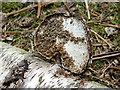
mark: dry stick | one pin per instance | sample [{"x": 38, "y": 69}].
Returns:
[
  {"x": 87, "y": 9},
  {"x": 101, "y": 38},
  {"x": 99, "y": 44},
  {"x": 106, "y": 55},
  {"x": 104, "y": 24},
  {"x": 21, "y": 10},
  {"x": 67, "y": 6},
  {"x": 39, "y": 8},
  {"x": 26, "y": 8},
  {"x": 110, "y": 25},
  {"x": 32, "y": 45},
  {"x": 16, "y": 39},
  {"x": 26, "y": 31},
  {"x": 101, "y": 76},
  {"x": 97, "y": 38},
  {"x": 113, "y": 67},
  {"x": 94, "y": 12},
  {"x": 93, "y": 70}
]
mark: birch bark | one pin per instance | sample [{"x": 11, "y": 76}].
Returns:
[{"x": 20, "y": 69}]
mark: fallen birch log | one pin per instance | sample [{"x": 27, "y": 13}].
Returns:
[{"x": 20, "y": 69}]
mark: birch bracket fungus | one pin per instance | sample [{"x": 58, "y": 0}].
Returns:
[{"x": 66, "y": 39}]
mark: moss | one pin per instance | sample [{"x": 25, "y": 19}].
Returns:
[
  {"x": 58, "y": 4},
  {"x": 51, "y": 11},
  {"x": 115, "y": 44},
  {"x": 41, "y": 19},
  {"x": 97, "y": 28},
  {"x": 79, "y": 3},
  {"x": 11, "y": 6},
  {"x": 25, "y": 13}
]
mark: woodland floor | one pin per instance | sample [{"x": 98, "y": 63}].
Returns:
[{"x": 104, "y": 20}]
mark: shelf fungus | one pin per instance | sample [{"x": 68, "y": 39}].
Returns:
[{"x": 66, "y": 39}]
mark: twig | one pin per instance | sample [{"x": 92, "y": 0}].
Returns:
[
  {"x": 21, "y": 10},
  {"x": 104, "y": 24},
  {"x": 101, "y": 76},
  {"x": 66, "y": 6},
  {"x": 97, "y": 38},
  {"x": 32, "y": 46},
  {"x": 27, "y": 8},
  {"x": 95, "y": 12},
  {"x": 106, "y": 55},
  {"x": 99, "y": 44},
  {"x": 110, "y": 25},
  {"x": 87, "y": 9},
  {"x": 101, "y": 38},
  {"x": 113, "y": 67},
  {"x": 26, "y": 31},
  {"x": 39, "y": 8},
  {"x": 93, "y": 70},
  {"x": 16, "y": 39}
]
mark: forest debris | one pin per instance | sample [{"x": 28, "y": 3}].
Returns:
[
  {"x": 106, "y": 55},
  {"x": 66, "y": 6},
  {"x": 110, "y": 25},
  {"x": 97, "y": 38},
  {"x": 32, "y": 45},
  {"x": 27, "y": 8},
  {"x": 109, "y": 30},
  {"x": 16, "y": 39},
  {"x": 108, "y": 83},
  {"x": 116, "y": 68},
  {"x": 86, "y": 3},
  {"x": 25, "y": 31},
  {"x": 39, "y": 8},
  {"x": 21, "y": 10},
  {"x": 99, "y": 44},
  {"x": 101, "y": 76},
  {"x": 95, "y": 12},
  {"x": 102, "y": 38},
  {"x": 104, "y": 24}
]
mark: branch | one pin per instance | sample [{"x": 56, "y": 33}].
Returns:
[{"x": 20, "y": 69}]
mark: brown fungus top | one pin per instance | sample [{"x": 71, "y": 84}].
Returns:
[{"x": 53, "y": 37}]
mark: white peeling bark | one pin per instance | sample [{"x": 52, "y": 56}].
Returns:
[{"x": 40, "y": 74}]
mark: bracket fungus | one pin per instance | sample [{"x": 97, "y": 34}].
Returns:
[{"x": 66, "y": 39}]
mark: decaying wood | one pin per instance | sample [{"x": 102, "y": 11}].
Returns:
[{"x": 19, "y": 68}]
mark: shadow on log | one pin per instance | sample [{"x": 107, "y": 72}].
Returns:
[{"x": 20, "y": 69}]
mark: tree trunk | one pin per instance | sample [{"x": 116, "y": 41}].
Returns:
[{"x": 20, "y": 69}]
